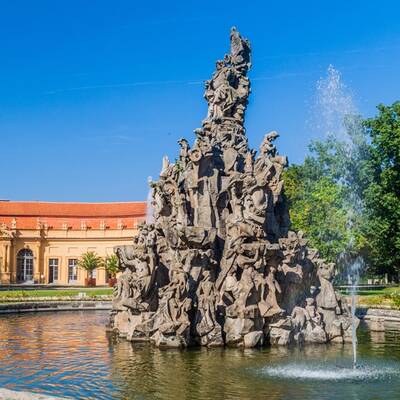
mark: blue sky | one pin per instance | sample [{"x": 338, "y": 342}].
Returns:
[{"x": 94, "y": 93}]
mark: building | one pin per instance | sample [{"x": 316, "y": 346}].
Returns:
[{"x": 40, "y": 242}]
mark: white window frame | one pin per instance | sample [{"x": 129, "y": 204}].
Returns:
[
  {"x": 54, "y": 265},
  {"x": 73, "y": 264}
]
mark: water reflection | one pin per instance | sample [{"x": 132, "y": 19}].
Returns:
[
  {"x": 60, "y": 353},
  {"x": 70, "y": 354}
]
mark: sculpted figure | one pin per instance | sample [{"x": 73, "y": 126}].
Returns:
[
  {"x": 326, "y": 297},
  {"x": 122, "y": 290},
  {"x": 255, "y": 203},
  {"x": 184, "y": 153},
  {"x": 263, "y": 163},
  {"x": 158, "y": 200},
  {"x": 236, "y": 202},
  {"x": 5, "y": 232},
  {"x": 299, "y": 318},
  {"x": 219, "y": 93},
  {"x": 240, "y": 50},
  {"x": 126, "y": 256},
  {"x": 206, "y": 323},
  {"x": 180, "y": 212},
  {"x": 313, "y": 314},
  {"x": 267, "y": 148},
  {"x": 228, "y": 291},
  {"x": 165, "y": 166},
  {"x": 174, "y": 305},
  {"x": 269, "y": 306},
  {"x": 141, "y": 280},
  {"x": 248, "y": 299},
  {"x": 248, "y": 166}
]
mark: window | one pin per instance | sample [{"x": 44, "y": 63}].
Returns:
[
  {"x": 53, "y": 270},
  {"x": 25, "y": 266},
  {"x": 72, "y": 270}
]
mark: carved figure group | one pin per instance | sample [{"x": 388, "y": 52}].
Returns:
[{"x": 219, "y": 265}]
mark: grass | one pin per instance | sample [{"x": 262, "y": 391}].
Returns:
[
  {"x": 375, "y": 292},
  {"x": 19, "y": 295},
  {"x": 388, "y": 297}
]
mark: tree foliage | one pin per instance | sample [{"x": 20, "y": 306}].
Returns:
[
  {"x": 316, "y": 205},
  {"x": 346, "y": 194},
  {"x": 325, "y": 192},
  {"x": 90, "y": 261},
  {"x": 382, "y": 196},
  {"x": 111, "y": 264}
]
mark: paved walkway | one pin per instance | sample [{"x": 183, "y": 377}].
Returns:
[
  {"x": 371, "y": 313},
  {"x": 73, "y": 305}
]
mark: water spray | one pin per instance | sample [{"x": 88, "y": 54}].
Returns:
[{"x": 335, "y": 109}]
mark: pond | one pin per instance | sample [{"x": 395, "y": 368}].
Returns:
[{"x": 69, "y": 354}]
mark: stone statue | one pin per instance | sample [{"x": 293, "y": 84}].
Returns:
[
  {"x": 219, "y": 265},
  {"x": 207, "y": 328}
]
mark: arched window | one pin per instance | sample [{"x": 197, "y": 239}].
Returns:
[{"x": 25, "y": 266}]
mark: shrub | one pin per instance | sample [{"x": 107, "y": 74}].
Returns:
[{"x": 90, "y": 261}]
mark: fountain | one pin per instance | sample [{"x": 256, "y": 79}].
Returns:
[
  {"x": 219, "y": 266},
  {"x": 353, "y": 266},
  {"x": 338, "y": 118},
  {"x": 333, "y": 103}
]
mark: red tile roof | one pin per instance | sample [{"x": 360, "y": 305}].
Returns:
[
  {"x": 85, "y": 210},
  {"x": 27, "y": 215}
]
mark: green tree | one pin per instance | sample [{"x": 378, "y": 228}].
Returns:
[
  {"x": 90, "y": 261},
  {"x": 325, "y": 193},
  {"x": 382, "y": 196},
  {"x": 346, "y": 194},
  {"x": 317, "y": 208},
  {"x": 111, "y": 265}
]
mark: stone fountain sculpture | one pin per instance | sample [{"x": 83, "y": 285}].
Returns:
[{"x": 219, "y": 265}]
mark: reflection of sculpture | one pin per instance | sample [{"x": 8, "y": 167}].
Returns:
[{"x": 219, "y": 265}]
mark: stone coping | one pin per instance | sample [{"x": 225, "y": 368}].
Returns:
[
  {"x": 28, "y": 299},
  {"x": 40, "y": 286},
  {"x": 371, "y": 313},
  {"x": 33, "y": 306},
  {"x": 6, "y": 394}
]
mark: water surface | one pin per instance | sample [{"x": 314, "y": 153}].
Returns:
[{"x": 69, "y": 354}]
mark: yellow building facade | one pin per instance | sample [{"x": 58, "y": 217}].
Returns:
[{"x": 41, "y": 243}]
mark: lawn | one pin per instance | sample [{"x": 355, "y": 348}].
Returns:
[
  {"x": 388, "y": 297},
  {"x": 375, "y": 292},
  {"x": 92, "y": 293}
]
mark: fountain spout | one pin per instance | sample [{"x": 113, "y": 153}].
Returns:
[{"x": 353, "y": 277}]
